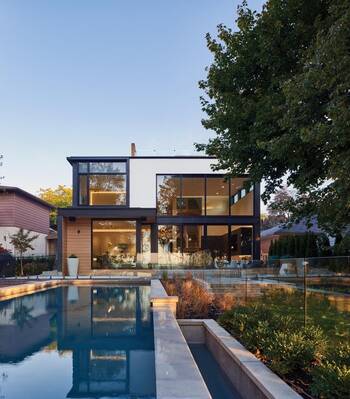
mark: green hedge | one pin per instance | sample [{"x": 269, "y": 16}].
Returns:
[{"x": 292, "y": 350}]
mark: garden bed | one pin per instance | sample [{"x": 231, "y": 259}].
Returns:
[{"x": 314, "y": 359}]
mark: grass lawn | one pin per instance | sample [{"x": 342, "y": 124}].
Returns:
[{"x": 334, "y": 323}]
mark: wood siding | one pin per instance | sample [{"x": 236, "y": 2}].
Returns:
[
  {"x": 18, "y": 211},
  {"x": 77, "y": 240}
]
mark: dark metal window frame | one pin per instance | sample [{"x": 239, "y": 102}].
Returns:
[
  {"x": 205, "y": 233},
  {"x": 92, "y": 220},
  {"x": 77, "y": 173},
  {"x": 206, "y": 177}
]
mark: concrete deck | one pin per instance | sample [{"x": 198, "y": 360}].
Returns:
[{"x": 177, "y": 374}]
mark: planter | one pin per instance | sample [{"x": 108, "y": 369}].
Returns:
[{"x": 73, "y": 264}]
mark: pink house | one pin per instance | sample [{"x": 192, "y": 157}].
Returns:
[{"x": 20, "y": 209}]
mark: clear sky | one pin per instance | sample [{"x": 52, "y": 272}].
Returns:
[{"x": 89, "y": 77}]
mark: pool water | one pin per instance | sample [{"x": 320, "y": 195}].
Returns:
[{"x": 78, "y": 342}]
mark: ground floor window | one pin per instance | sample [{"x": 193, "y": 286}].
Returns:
[
  {"x": 128, "y": 244},
  {"x": 241, "y": 247},
  {"x": 113, "y": 244},
  {"x": 216, "y": 246}
]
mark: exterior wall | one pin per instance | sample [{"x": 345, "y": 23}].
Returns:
[
  {"x": 39, "y": 245},
  {"x": 77, "y": 240},
  {"x": 143, "y": 171},
  {"x": 17, "y": 211}
]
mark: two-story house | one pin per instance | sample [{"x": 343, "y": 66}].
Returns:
[{"x": 137, "y": 211}]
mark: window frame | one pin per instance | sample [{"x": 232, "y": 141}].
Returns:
[
  {"x": 88, "y": 174},
  {"x": 206, "y": 176}
]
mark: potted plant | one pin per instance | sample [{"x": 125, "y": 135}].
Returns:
[{"x": 73, "y": 264}]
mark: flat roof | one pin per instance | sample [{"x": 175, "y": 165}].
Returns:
[
  {"x": 22, "y": 193},
  {"x": 72, "y": 159}
]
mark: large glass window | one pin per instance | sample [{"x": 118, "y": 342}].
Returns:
[
  {"x": 113, "y": 244},
  {"x": 241, "y": 244},
  {"x": 193, "y": 194},
  {"x": 193, "y": 238},
  {"x": 217, "y": 196},
  {"x": 102, "y": 183},
  {"x": 217, "y": 244},
  {"x": 107, "y": 167},
  {"x": 168, "y": 195},
  {"x": 169, "y": 244},
  {"x": 145, "y": 244},
  {"x": 107, "y": 189},
  {"x": 83, "y": 190},
  {"x": 242, "y": 198}
]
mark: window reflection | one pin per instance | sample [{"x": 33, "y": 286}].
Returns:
[
  {"x": 168, "y": 195},
  {"x": 107, "y": 167},
  {"x": 169, "y": 244},
  {"x": 113, "y": 244},
  {"x": 193, "y": 193},
  {"x": 217, "y": 196},
  {"x": 107, "y": 189},
  {"x": 241, "y": 243},
  {"x": 83, "y": 197},
  {"x": 242, "y": 199},
  {"x": 217, "y": 243}
]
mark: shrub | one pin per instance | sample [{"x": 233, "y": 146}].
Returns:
[
  {"x": 331, "y": 378},
  {"x": 277, "y": 339}
]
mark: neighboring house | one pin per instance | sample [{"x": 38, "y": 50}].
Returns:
[
  {"x": 20, "y": 209},
  {"x": 276, "y": 232},
  {"x": 135, "y": 211}
]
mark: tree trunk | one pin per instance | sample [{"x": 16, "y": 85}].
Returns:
[{"x": 21, "y": 260}]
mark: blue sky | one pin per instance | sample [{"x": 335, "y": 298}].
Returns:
[{"x": 89, "y": 77}]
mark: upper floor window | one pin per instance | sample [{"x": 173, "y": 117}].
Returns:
[
  {"x": 212, "y": 195},
  {"x": 102, "y": 183}
]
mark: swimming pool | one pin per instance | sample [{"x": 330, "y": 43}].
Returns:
[{"x": 87, "y": 342}]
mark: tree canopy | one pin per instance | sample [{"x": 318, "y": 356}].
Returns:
[
  {"x": 60, "y": 197},
  {"x": 277, "y": 96}
]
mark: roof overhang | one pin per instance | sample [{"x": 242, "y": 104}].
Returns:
[{"x": 145, "y": 214}]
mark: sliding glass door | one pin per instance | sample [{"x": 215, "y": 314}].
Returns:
[{"x": 113, "y": 244}]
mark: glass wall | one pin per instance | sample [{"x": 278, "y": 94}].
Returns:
[
  {"x": 217, "y": 196},
  {"x": 193, "y": 245},
  {"x": 145, "y": 244},
  {"x": 107, "y": 189},
  {"x": 113, "y": 244},
  {"x": 184, "y": 195},
  {"x": 169, "y": 245},
  {"x": 193, "y": 196},
  {"x": 102, "y": 183},
  {"x": 168, "y": 195},
  {"x": 242, "y": 199},
  {"x": 217, "y": 244},
  {"x": 241, "y": 243},
  {"x": 83, "y": 190}
]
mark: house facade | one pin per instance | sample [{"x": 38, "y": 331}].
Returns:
[
  {"x": 20, "y": 209},
  {"x": 138, "y": 212}
]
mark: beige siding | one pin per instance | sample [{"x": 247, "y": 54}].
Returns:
[{"x": 77, "y": 240}]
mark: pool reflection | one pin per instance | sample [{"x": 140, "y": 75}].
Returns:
[{"x": 107, "y": 331}]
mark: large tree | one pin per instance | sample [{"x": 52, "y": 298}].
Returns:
[
  {"x": 277, "y": 97},
  {"x": 59, "y": 197}
]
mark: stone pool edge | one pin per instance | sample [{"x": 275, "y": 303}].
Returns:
[
  {"x": 32, "y": 286},
  {"x": 177, "y": 374},
  {"x": 248, "y": 374}
]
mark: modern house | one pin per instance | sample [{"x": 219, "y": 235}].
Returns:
[
  {"x": 137, "y": 211},
  {"x": 20, "y": 209}
]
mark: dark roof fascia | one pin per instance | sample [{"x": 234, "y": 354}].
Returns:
[
  {"x": 107, "y": 212},
  {"x": 22, "y": 193},
  {"x": 73, "y": 159}
]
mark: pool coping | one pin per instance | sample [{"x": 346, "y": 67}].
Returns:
[
  {"x": 177, "y": 374},
  {"x": 32, "y": 286},
  {"x": 247, "y": 373}
]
